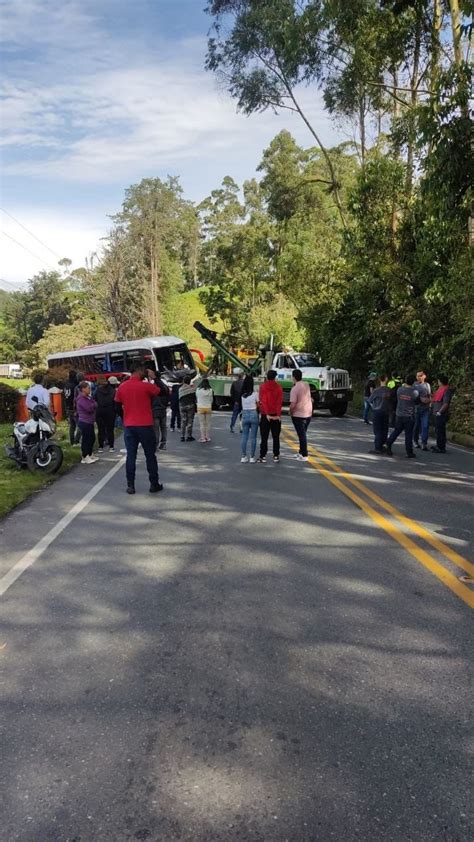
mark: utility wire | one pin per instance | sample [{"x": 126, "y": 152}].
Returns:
[
  {"x": 28, "y": 250},
  {"x": 30, "y": 233}
]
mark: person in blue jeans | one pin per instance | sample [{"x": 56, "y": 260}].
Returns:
[
  {"x": 407, "y": 400},
  {"x": 250, "y": 409},
  {"x": 422, "y": 414}
]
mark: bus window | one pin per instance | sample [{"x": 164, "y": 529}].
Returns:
[
  {"x": 117, "y": 361},
  {"x": 99, "y": 364},
  {"x": 140, "y": 355}
]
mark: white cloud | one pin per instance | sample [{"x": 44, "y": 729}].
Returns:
[
  {"x": 86, "y": 107},
  {"x": 75, "y": 236}
]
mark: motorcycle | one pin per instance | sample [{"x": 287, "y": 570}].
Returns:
[{"x": 31, "y": 442}]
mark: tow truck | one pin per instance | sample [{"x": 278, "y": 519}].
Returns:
[{"x": 331, "y": 388}]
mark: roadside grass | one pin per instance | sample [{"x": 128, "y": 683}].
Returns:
[
  {"x": 16, "y": 485},
  {"x": 25, "y": 383}
]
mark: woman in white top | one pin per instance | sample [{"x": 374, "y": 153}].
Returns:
[
  {"x": 204, "y": 397},
  {"x": 249, "y": 419}
]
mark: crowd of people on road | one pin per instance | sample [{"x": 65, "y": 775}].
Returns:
[
  {"x": 408, "y": 407},
  {"x": 141, "y": 401},
  {"x": 140, "y": 404}
]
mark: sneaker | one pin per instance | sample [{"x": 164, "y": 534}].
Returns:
[
  {"x": 154, "y": 488},
  {"x": 388, "y": 452},
  {"x": 130, "y": 489},
  {"x": 162, "y": 447},
  {"x": 437, "y": 450},
  {"x": 89, "y": 460},
  {"x": 276, "y": 458},
  {"x": 84, "y": 460},
  {"x": 111, "y": 449},
  {"x": 376, "y": 452},
  {"x": 262, "y": 459},
  {"x": 231, "y": 429},
  {"x": 190, "y": 438},
  {"x": 425, "y": 448},
  {"x": 202, "y": 441},
  {"x": 252, "y": 459},
  {"x": 100, "y": 450},
  {"x": 244, "y": 459},
  {"x": 182, "y": 438},
  {"x": 411, "y": 455},
  {"x": 207, "y": 439},
  {"x": 301, "y": 458}
]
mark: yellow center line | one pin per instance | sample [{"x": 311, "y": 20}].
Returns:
[
  {"x": 415, "y": 527},
  {"x": 395, "y": 532}
]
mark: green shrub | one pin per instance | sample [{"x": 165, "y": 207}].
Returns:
[{"x": 8, "y": 403}]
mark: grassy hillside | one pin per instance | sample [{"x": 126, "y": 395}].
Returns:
[{"x": 184, "y": 309}]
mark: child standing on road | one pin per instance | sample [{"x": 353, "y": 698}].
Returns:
[
  {"x": 249, "y": 419},
  {"x": 204, "y": 397}
]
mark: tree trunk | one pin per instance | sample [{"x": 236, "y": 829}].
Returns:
[
  {"x": 396, "y": 155},
  {"x": 435, "y": 44},
  {"x": 456, "y": 28},
  {"x": 362, "y": 128},
  {"x": 413, "y": 102}
]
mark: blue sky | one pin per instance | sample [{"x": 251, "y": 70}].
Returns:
[{"x": 97, "y": 95}]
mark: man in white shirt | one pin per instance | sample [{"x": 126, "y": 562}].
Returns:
[{"x": 37, "y": 391}]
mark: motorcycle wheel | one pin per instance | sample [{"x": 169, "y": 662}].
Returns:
[{"x": 49, "y": 461}]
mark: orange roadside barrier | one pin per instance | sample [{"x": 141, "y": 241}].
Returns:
[
  {"x": 57, "y": 405},
  {"x": 22, "y": 413}
]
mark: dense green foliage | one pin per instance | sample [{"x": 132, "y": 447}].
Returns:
[{"x": 359, "y": 252}]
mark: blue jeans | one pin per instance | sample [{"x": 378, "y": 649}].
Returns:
[
  {"x": 380, "y": 421},
  {"x": 365, "y": 414},
  {"x": 249, "y": 428},
  {"x": 402, "y": 423},
  {"x": 422, "y": 425},
  {"x": 301, "y": 425},
  {"x": 235, "y": 415},
  {"x": 133, "y": 436}
]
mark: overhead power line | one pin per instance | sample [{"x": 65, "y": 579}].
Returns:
[
  {"x": 30, "y": 233},
  {"x": 40, "y": 259}
]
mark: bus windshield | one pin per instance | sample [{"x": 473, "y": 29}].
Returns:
[
  {"x": 306, "y": 360},
  {"x": 174, "y": 360}
]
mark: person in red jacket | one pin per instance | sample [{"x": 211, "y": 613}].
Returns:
[
  {"x": 136, "y": 396},
  {"x": 270, "y": 398}
]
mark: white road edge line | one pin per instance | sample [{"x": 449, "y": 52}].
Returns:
[{"x": 34, "y": 554}]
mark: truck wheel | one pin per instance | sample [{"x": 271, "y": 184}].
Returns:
[{"x": 339, "y": 410}]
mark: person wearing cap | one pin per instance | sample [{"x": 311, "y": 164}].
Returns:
[{"x": 369, "y": 387}]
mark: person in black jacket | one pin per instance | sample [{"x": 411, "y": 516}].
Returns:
[
  {"x": 175, "y": 411},
  {"x": 105, "y": 417},
  {"x": 236, "y": 397},
  {"x": 69, "y": 392},
  {"x": 159, "y": 407}
]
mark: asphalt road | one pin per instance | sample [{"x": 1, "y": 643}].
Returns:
[{"x": 249, "y": 655}]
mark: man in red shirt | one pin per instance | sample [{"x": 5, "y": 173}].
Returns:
[
  {"x": 136, "y": 396},
  {"x": 270, "y": 398}
]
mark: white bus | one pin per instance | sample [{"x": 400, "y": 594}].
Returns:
[{"x": 168, "y": 355}]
